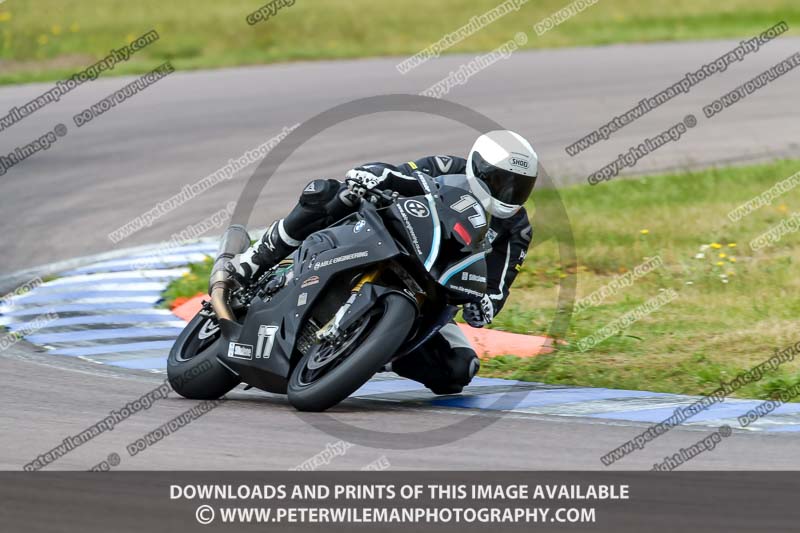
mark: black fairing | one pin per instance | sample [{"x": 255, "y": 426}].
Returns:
[
  {"x": 328, "y": 256},
  {"x": 437, "y": 239},
  {"x": 455, "y": 258}
]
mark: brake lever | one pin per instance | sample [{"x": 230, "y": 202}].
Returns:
[
  {"x": 388, "y": 197},
  {"x": 373, "y": 196}
]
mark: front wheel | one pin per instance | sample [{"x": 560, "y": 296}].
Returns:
[
  {"x": 192, "y": 366},
  {"x": 329, "y": 373}
]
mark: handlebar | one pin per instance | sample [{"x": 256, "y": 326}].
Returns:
[{"x": 377, "y": 197}]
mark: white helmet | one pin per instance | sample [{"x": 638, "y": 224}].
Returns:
[{"x": 501, "y": 170}]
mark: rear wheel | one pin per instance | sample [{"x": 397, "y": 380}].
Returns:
[
  {"x": 192, "y": 366},
  {"x": 328, "y": 373}
]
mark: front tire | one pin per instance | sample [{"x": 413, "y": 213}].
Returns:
[
  {"x": 192, "y": 366},
  {"x": 366, "y": 348}
]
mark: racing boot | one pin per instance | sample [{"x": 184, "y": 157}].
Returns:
[{"x": 275, "y": 246}]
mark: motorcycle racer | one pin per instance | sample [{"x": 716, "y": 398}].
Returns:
[{"x": 500, "y": 171}]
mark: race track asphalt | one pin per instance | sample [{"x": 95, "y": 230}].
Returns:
[
  {"x": 62, "y": 203},
  {"x": 47, "y": 398}
]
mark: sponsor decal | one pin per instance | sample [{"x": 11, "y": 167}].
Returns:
[
  {"x": 491, "y": 235},
  {"x": 422, "y": 181},
  {"x": 359, "y": 226},
  {"x": 340, "y": 259},
  {"x": 416, "y": 208},
  {"x": 466, "y": 276},
  {"x": 311, "y": 280},
  {"x": 310, "y": 187},
  {"x": 465, "y": 290},
  {"x": 240, "y": 351},
  {"x": 209, "y": 328},
  {"x": 410, "y": 230},
  {"x": 302, "y": 299}
]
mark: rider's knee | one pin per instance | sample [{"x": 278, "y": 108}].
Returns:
[
  {"x": 319, "y": 192},
  {"x": 464, "y": 365}
]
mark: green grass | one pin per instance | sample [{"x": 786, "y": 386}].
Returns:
[
  {"x": 711, "y": 333},
  {"x": 51, "y": 39},
  {"x": 190, "y": 284}
]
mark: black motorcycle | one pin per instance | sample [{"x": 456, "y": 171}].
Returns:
[{"x": 369, "y": 289}]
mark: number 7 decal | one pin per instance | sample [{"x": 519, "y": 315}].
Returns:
[
  {"x": 478, "y": 220},
  {"x": 265, "y": 333}
]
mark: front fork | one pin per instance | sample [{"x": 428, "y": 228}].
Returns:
[{"x": 331, "y": 330}]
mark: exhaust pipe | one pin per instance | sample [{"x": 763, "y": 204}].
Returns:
[{"x": 234, "y": 241}]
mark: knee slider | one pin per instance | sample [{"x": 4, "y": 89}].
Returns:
[{"x": 465, "y": 364}]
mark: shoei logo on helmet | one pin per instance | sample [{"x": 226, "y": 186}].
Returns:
[{"x": 517, "y": 162}]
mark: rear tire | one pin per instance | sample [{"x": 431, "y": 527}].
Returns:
[
  {"x": 377, "y": 343},
  {"x": 192, "y": 366}
]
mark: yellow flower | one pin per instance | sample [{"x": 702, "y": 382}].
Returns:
[
  {"x": 782, "y": 208},
  {"x": 75, "y": 28},
  {"x": 732, "y": 259},
  {"x": 644, "y": 231},
  {"x": 720, "y": 263},
  {"x": 731, "y": 273},
  {"x": 716, "y": 245},
  {"x": 722, "y": 256},
  {"x": 731, "y": 245},
  {"x": 56, "y": 29},
  {"x": 42, "y": 40},
  {"x": 5, "y": 16}
]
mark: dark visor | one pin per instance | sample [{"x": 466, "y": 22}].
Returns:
[{"x": 506, "y": 186}]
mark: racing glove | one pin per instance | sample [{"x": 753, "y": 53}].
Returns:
[
  {"x": 370, "y": 176},
  {"x": 478, "y": 314}
]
